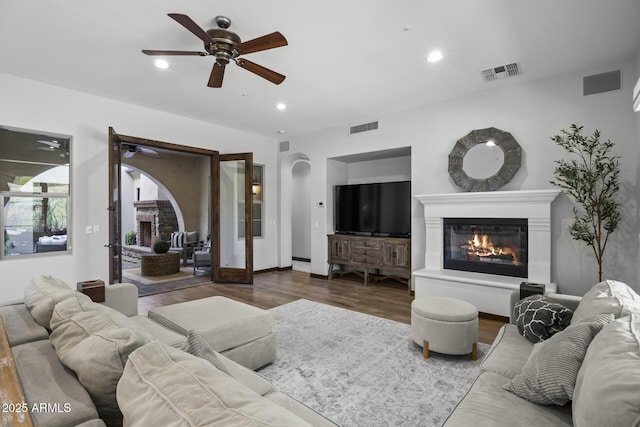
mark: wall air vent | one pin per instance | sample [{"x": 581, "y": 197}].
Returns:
[
  {"x": 501, "y": 72},
  {"x": 363, "y": 128},
  {"x": 599, "y": 83},
  {"x": 284, "y": 146}
]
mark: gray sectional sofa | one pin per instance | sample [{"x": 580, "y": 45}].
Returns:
[
  {"x": 102, "y": 364},
  {"x": 595, "y": 368}
]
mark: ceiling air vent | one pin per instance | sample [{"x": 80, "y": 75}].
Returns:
[
  {"x": 363, "y": 128},
  {"x": 501, "y": 72}
]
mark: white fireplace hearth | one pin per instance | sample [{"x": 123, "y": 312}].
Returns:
[{"x": 490, "y": 293}]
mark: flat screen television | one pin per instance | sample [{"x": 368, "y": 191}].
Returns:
[{"x": 379, "y": 209}]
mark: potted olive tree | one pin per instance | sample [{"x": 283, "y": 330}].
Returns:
[{"x": 590, "y": 178}]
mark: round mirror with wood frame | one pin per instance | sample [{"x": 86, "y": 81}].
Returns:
[{"x": 490, "y": 136}]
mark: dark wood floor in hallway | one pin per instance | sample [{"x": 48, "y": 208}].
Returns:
[{"x": 388, "y": 299}]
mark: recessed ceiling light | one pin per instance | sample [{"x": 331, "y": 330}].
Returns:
[
  {"x": 161, "y": 63},
  {"x": 434, "y": 56},
  {"x": 282, "y": 131},
  {"x": 281, "y": 106}
]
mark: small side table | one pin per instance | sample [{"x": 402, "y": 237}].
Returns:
[{"x": 94, "y": 289}]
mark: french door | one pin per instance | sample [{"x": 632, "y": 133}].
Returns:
[
  {"x": 232, "y": 207},
  {"x": 229, "y": 204}
]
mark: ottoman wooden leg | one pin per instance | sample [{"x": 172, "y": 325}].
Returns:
[
  {"x": 474, "y": 351},
  {"x": 425, "y": 349}
]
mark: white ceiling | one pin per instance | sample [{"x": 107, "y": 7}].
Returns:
[{"x": 348, "y": 61}]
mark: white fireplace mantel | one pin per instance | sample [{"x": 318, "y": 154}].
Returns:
[{"x": 533, "y": 205}]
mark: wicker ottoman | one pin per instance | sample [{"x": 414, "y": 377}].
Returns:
[
  {"x": 240, "y": 331},
  {"x": 444, "y": 325}
]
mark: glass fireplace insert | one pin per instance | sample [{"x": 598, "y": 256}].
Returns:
[{"x": 486, "y": 245}]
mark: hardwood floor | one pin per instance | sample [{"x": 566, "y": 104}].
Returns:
[{"x": 388, "y": 298}]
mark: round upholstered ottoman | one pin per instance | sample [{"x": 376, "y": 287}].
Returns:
[{"x": 444, "y": 325}]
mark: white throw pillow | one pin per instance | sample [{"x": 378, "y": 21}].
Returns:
[
  {"x": 607, "y": 389},
  {"x": 608, "y": 296}
]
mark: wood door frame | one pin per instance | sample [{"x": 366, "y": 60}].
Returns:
[{"x": 213, "y": 166}]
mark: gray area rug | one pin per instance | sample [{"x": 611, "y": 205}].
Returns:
[{"x": 361, "y": 370}]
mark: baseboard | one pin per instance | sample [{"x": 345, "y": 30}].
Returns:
[
  {"x": 319, "y": 276},
  {"x": 272, "y": 269},
  {"x": 495, "y": 317}
]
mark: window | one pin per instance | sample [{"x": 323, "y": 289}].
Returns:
[{"x": 35, "y": 192}]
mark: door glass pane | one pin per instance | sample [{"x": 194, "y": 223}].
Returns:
[{"x": 232, "y": 214}]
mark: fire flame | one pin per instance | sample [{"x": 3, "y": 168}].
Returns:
[{"x": 481, "y": 246}]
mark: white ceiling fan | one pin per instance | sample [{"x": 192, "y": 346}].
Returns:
[{"x": 130, "y": 150}]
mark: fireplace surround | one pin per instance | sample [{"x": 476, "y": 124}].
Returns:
[{"x": 489, "y": 292}]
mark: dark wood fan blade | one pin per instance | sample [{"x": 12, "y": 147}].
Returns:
[
  {"x": 217, "y": 74},
  {"x": 188, "y": 23},
  {"x": 269, "y": 41},
  {"x": 173, "y": 52},
  {"x": 263, "y": 72}
]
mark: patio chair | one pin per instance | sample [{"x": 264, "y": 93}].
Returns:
[
  {"x": 202, "y": 256},
  {"x": 184, "y": 242}
]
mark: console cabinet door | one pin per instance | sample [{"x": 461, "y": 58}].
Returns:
[
  {"x": 339, "y": 249},
  {"x": 396, "y": 254}
]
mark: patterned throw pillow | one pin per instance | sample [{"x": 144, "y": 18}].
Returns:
[
  {"x": 197, "y": 346},
  {"x": 538, "y": 318}
]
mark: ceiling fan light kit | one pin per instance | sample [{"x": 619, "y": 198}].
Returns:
[{"x": 226, "y": 46}]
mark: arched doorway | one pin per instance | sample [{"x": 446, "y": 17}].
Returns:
[
  {"x": 286, "y": 205},
  {"x": 301, "y": 215}
]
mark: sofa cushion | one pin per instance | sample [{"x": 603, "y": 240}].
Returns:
[
  {"x": 98, "y": 361},
  {"x": 148, "y": 395},
  {"x": 42, "y": 294},
  {"x": 549, "y": 376},
  {"x": 246, "y": 376},
  {"x": 158, "y": 332},
  {"x": 607, "y": 389},
  {"x": 20, "y": 326},
  {"x": 487, "y": 404},
  {"x": 95, "y": 341},
  {"x": 508, "y": 353},
  {"x": 538, "y": 318},
  {"x": 608, "y": 296},
  {"x": 45, "y": 380}
]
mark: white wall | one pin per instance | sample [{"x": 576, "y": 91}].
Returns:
[
  {"x": 36, "y": 106},
  {"x": 148, "y": 188},
  {"x": 381, "y": 170},
  {"x": 532, "y": 112},
  {"x": 301, "y": 211}
]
